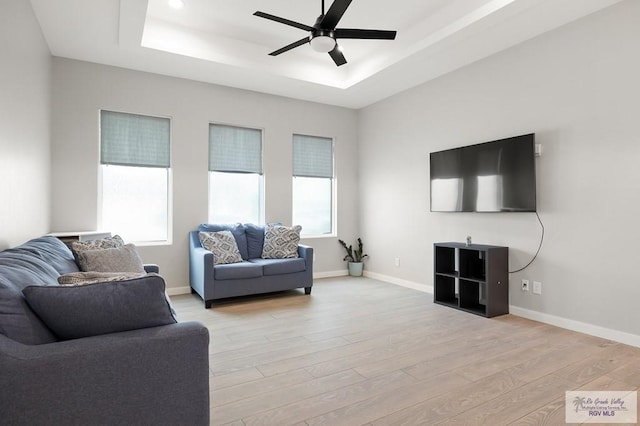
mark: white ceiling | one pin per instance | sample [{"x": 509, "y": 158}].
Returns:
[{"x": 221, "y": 42}]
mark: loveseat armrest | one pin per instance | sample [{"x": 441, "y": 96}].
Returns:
[
  {"x": 151, "y": 268},
  {"x": 200, "y": 268},
  {"x": 151, "y": 376},
  {"x": 306, "y": 252}
]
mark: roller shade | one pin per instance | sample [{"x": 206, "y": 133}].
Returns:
[
  {"x": 312, "y": 156},
  {"x": 235, "y": 149},
  {"x": 134, "y": 140}
]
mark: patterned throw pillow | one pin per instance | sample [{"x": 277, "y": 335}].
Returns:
[
  {"x": 92, "y": 277},
  {"x": 222, "y": 245},
  {"x": 80, "y": 246},
  {"x": 281, "y": 242},
  {"x": 108, "y": 242}
]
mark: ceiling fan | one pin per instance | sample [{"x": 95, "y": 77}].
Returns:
[{"x": 323, "y": 34}]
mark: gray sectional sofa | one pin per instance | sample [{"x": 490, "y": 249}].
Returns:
[
  {"x": 253, "y": 275},
  {"x": 54, "y": 371}
]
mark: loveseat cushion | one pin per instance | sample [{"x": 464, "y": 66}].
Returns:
[
  {"x": 255, "y": 240},
  {"x": 280, "y": 266},
  {"x": 73, "y": 312},
  {"x": 234, "y": 271},
  {"x": 238, "y": 231}
]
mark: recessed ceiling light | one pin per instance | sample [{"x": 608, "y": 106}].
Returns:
[{"x": 176, "y": 4}]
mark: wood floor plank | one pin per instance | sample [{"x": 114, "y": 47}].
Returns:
[
  {"x": 332, "y": 400},
  {"x": 256, "y": 404},
  {"x": 452, "y": 402},
  {"x": 235, "y": 378},
  {"x": 358, "y": 351},
  {"x": 374, "y": 410},
  {"x": 513, "y": 405}
]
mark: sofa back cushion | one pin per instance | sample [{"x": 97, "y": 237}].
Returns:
[
  {"x": 50, "y": 249},
  {"x": 238, "y": 231},
  {"x": 255, "y": 240},
  {"x": 35, "y": 262}
]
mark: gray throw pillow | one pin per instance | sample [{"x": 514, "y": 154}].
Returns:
[
  {"x": 80, "y": 246},
  {"x": 222, "y": 245},
  {"x": 72, "y": 312},
  {"x": 121, "y": 259},
  {"x": 281, "y": 242}
]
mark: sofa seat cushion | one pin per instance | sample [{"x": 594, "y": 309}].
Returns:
[
  {"x": 280, "y": 266},
  {"x": 235, "y": 271},
  {"x": 72, "y": 312}
]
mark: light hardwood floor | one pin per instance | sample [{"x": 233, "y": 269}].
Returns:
[{"x": 362, "y": 352}]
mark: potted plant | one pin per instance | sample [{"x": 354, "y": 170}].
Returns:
[{"x": 354, "y": 257}]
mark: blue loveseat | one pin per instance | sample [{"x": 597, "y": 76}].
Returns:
[
  {"x": 253, "y": 275},
  {"x": 148, "y": 375}
]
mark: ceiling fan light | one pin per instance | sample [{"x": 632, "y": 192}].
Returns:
[{"x": 323, "y": 44}]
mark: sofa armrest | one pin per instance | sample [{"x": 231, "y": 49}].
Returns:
[
  {"x": 151, "y": 268},
  {"x": 158, "y": 375},
  {"x": 306, "y": 252},
  {"x": 200, "y": 267}
]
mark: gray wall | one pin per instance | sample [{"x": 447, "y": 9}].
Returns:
[
  {"x": 578, "y": 89},
  {"x": 80, "y": 89},
  {"x": 25, "y": 109}
]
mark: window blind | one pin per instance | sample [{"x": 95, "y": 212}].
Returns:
[
  {"x": 235, "y": 149},
  {"x": 134, "y": 140},
  {"x": 312, "y": 156}
]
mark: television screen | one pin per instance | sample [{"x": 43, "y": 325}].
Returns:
[{"x": 497, "y": 176}]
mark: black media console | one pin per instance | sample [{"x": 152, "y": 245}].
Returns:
[{"x": 472, "y": 278}]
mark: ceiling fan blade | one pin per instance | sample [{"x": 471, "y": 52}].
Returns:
[
  {"x": 334, "y": 14},
  {"x": 364, "y": 34},
  {"x": 290, "y": 46},
  {"x": 337, "y": 56},
  {"x": 283, "y": 21}
]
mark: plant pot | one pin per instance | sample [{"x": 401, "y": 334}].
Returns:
[{"x": 355, "y": 269}]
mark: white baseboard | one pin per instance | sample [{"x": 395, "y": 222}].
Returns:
[
  {"x": 581, "y": 327},
  {"x": 404, "y": 283},
  {"x": 330, "y": 274},
  {"x": 177, "y": 291}
]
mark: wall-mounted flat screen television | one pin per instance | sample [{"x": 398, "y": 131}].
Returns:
[{"x": 497, "y": 176}]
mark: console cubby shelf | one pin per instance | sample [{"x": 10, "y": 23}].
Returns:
[{"x": 473, "y": 278}]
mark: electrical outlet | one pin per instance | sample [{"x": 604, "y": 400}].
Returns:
[
  {"x": 525, "y": 285},
  {"x": 397, "y": 261},
  {"x": 537, "y": 287}
]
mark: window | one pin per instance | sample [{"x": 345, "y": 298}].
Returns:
[
  {"x": 235, "y": 175},
  {"x": 135, "y": 171},
  {"x": 313, "y": 184}
]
